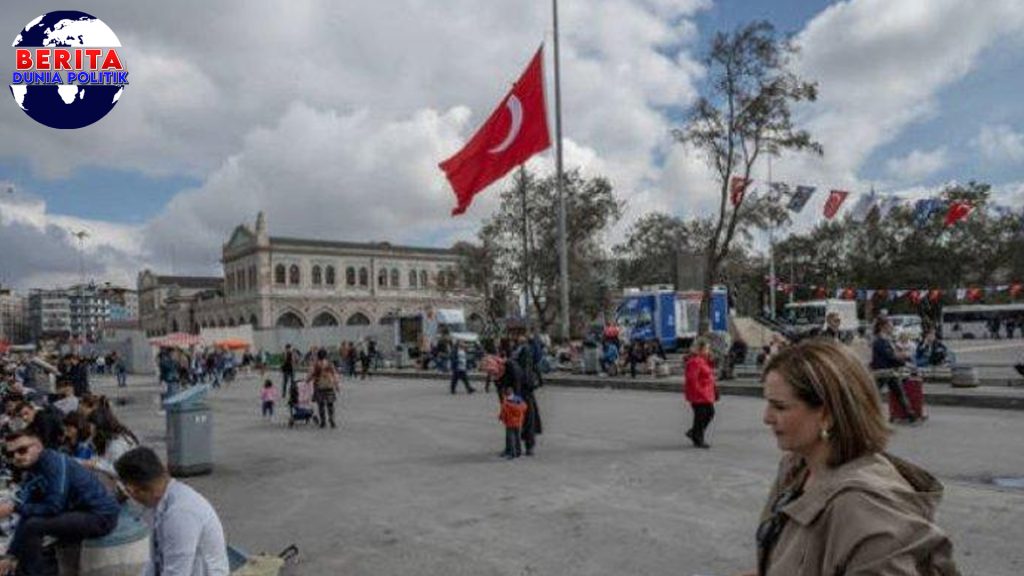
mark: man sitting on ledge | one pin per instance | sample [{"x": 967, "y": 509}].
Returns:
[
  {"x": 187, "y": 538},
  {"x": 58, "y": 497}
]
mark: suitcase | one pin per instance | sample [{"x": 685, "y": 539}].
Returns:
[{"x": 913, "y": 387}]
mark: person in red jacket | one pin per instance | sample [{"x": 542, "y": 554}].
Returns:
[
  {"x": 701, "y": 391},
  {"x": 512, "y": 415}
]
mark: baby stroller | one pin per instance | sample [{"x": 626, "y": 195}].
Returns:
[{"x": 300, "y": 404}]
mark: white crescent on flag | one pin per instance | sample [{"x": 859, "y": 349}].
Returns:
[{"x": 515, "y": 108}]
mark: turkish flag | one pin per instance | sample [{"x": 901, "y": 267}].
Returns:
[
  {"x": 915, "y": 296},
  {"x": 835, "y": 200},
  {"x": 957, "y": 212},
  {"x": 973, "y": 294},
  {"x": 516, "y": 130},
  {"x": 737, "y": 186},
  {"x": 1015, "y": 289}
]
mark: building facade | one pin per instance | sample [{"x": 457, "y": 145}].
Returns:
[
  {"x": 89, "y": 310},
  {"x": 290, "y": 282},
  {"x": 122, "y": 303},
  {"x": 14, "y": 325},
  {"x": 49, "y": 313}
]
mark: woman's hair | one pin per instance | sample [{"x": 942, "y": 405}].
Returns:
[
  {"x": 700, "y": 345},
  {"x": 825, "y": 373},
  {"x": 321, "y": 354},
  {"x": 268, "y": 384},
  {"x": 880, "y": 323},
  {"x": 78, "y": 421},
  {"x": 106, "y": 427}
]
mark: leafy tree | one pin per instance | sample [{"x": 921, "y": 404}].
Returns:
[
  {"x": 591, "y": 208},
  {"x": 744, "y": 113}
]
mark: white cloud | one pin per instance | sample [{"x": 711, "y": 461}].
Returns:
[
  {"x": 918, "y": 165},
  {"x": 39, "y": 248},
  {"x": 881, "y": 64},
  {"x": 1000, "y": 143}
]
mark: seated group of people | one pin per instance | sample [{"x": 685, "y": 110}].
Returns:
[{"x": 70, "y": 465}]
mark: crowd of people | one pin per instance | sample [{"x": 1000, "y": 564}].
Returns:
[{"x": 70, "y": 467}]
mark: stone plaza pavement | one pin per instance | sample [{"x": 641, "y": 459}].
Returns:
[{"x": 411, "y": 482}]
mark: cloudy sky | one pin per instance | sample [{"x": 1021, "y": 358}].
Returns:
[{"x": 331, "y": 116}]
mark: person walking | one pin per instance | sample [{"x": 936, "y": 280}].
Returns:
[
  {"x": 287, "y": 369},
  {"x": 840, "y": 504},
  {"x": 459, "y": 370},
  {"x": 187, "y": 535},
  {"x": 325, "y": 391},
  {"x": 120, "y": 369},
  {"x": 700, "y": 391}
]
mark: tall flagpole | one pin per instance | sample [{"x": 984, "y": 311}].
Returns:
[
  {"x": 563, "y": 257},
  {"x": 526, "y": 249}
]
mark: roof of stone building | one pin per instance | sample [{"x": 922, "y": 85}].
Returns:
[
  {"x": 191, "y": 281},
  {"x": 342, "y": 245}
]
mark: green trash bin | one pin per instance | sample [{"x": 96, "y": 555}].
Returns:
[{"x": 189, "y": 432}]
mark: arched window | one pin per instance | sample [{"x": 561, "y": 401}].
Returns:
[
  {"x": 330, "y": 275},
  {"x": 412, "y": 279},
  {"x": 439, "y": 280},
  {"x": 289, "y": 320},
  {"x": 358, "y": 319},
  {"x": 325, "y": 319},
  {"x": 350, "y": 276},
  {"x": 364, "y": 277},
  {"x": 293, "y": 275},
  {"x": 394, "y": 278},
  {"x": 279, "y": 274},
  {"x": 252, "y": 278},
  {"x": 423, "y": 279},
  {"x": 254, "y": 321},
  {"x": 450, "y": 279},
  {"x": 240, "y": 282},
  {"x": 318, "y": 276},
  {"x": 229, "y": 283},
  {"x": 382, "y": 278}
]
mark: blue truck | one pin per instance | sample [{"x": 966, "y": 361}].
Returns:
[{"x": 669, "y": 316}]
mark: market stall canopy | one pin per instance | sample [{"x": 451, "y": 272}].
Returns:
[
  {"x": 233, "y": 344},
  {"x": 177, "y": 340}
]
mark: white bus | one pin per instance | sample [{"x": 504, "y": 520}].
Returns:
[{"x": 973, "y": 320}]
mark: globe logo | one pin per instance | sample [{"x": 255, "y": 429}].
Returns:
[{"x": 68, "y": 73}]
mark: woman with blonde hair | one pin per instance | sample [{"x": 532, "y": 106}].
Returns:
[{"x": 840, "y": 504}]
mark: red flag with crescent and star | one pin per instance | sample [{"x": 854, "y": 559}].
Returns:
[
  {"x": 737, "y": 187},
  {"x": 514, "y": 132},
  {"x": 835, "y": 200}
]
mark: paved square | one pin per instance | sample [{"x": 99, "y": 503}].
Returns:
[{"x": 411, "y": 483}]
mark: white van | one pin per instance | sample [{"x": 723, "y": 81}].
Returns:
[
  {"x": 805, "y": 317},
  {"x": 906, "y": 324}
]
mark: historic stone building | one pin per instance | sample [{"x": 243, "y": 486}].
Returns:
[{"x": 290, "y": 282}]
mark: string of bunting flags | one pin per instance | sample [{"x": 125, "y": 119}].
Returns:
[
  {"x": 914, "y": 295},
  {"x": 796, "y": 198}
]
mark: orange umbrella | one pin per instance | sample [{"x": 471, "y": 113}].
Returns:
[{"x": 233, "y": 344}]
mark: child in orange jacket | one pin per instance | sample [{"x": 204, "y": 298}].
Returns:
[{"x": 513, "y": 413}]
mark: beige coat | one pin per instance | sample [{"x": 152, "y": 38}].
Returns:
[{"x": 871, "y": 516}]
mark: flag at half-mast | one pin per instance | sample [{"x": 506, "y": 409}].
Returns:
[{"x": 515, "y": 131}]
